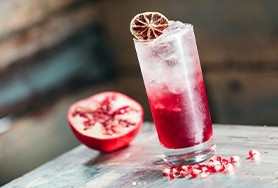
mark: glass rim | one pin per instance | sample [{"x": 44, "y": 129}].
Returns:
[{"x": 183, "y": 31}]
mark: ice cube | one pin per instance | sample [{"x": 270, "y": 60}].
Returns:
[
  {"x": 175, "y": 27},
  {"x": 166, "y": 51},
  {"x": 167, "y": 47},
  {"x": 164, "y": 48},
  {"x": 172, "y": 60}
]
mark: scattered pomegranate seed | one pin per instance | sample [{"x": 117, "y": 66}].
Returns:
[
  {"x": 189, "y": 168},
  {"x": 179, "y": 168},
  {"x": 219, "y": 168},
  {"x": 184, "y": 168},
  {"x": 204, "y": 168},
  {"x": 229, "y": 168},
  {"x": 196, "y": 166},
  {"x": 195, "y": 172},
  {"x": 172, "y": 175},
  {"x": 254, "y": 154},
  {"x": 224, "y": 161},
  {"x": 255, "y": 157},
  {"x": 205, "y": 174},
  {"x": 183, "y": 174},
  {"x": 217, "y": 163},
  {"x": 214, "y": 165},
  {"x": 174, "y": 170}
]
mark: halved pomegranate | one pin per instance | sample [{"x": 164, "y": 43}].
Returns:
[{"x": 106, "y": 121}]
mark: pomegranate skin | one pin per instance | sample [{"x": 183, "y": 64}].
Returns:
[{"x": 107, "y": 144}]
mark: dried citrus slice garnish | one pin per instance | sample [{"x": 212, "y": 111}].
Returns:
[{"x": 148, "y": 25}]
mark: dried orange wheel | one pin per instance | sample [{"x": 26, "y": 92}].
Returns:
[{"x": 148, "y": 25}]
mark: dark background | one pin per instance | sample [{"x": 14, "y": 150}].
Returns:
[{"x": 53, "y": 53}]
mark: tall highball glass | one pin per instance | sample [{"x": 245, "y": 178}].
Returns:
[{"x": 175, "y": 88}]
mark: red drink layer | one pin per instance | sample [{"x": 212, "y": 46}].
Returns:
[{"x": 182, "y": 120}]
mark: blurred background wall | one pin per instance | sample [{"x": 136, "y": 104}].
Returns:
[
  {"x": 238, "y": 47},
  {"x": 53, "y": 53}
]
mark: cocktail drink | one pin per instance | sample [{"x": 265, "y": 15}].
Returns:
[{"x": 175, "y": 88}]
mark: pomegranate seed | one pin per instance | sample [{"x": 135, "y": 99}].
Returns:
[
  {"x": 224, "y": 161},
  {"x": 205, "y": 174},
  {"x": 189, "y": 168},
  {"x": 234, "y": 159},
  {"x": 184, "y": 168},
  {"x": 174, "y": 170},
  {"x": 195, "y": 172},
  {"x": 181, "y": 167},
  {"x": 254, "y": 154},
  {"x": 217, "y": 163},
  {"x": 202, "y": 165},
  {"x": 204, "y": 168},
  {"x": 183, "y": 174},
  {"x": 172, "y": 175},
  {"x": 219, "y": 168},
  {"x": 229, "y": 167},
  {"x": 210, "y": 166},
  {"x": 197, "y": 166},
  {"x": 165, "y": 171}
]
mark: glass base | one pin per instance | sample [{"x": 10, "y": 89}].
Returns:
[{"x": 191, "y": 155}]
